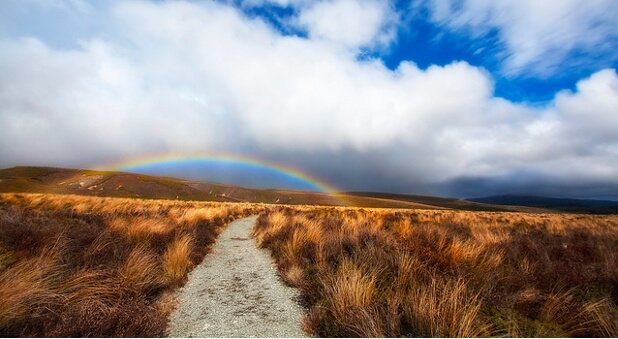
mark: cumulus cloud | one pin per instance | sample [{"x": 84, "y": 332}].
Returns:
[
  {"x": 538, "y": 35},
  {"x": 185, "y": 77},
  {"x": 88, "y": 105},
  {"x": 352, "y": 23}
]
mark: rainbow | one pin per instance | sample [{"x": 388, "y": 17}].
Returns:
[{"x": 135, "y": 164}]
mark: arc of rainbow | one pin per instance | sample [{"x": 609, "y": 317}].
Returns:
[{"x": 135, "y": 163}]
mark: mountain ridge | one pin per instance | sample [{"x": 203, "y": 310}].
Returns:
[{"x": 561, "y": 204}]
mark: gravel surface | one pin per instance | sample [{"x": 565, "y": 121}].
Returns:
[{"x": 235, "y": 292}]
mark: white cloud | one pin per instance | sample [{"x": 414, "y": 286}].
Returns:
[
  {"x": 186, "y": 77},
  {"x": 74, "y": 107},
  {"x": 538, "y": 35},
  {"x": 280, "y": 3},
  {"x": 592, "y": 110},
  {"x": 352, "y": 23},
  {"x": 573, "y": 139}
]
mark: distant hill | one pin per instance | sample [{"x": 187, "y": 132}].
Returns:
[
  {"x": 122, "y": 184},
  {"x": 558, "y": 204},
  {"x": 449, "y": 203}
]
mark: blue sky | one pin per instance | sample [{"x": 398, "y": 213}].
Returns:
[
  {"x": 427, "y": 42},
  {"x": 455, "y": 98}
]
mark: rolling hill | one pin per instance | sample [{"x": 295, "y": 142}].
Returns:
[
  {"x": 559, "y": 204},
  {"x": 122, "y": 184}
]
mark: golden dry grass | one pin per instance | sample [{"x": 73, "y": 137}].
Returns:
[
  {"x": 177, "y": 260},
  {"x": 80, "y": 266},
  {"x": 141, "y": 270},
  {"x": 83, "y": 266},
  {"x": 27, "y": 286},
  {"x": 373, "y": 272}
]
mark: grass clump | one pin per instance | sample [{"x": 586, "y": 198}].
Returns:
[
  {"x": 177, "y": 260},
  {"x": 378, "y": 272},
  {"x": 74, "y": 266}
]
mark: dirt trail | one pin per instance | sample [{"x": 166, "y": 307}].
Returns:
[{"x": 235, "y": 292}]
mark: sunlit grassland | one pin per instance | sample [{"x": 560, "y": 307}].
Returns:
[
  {"x": 84, "y": 266},
  {"x": 391, "y": 273},
  {"x": 88, "y": 266}
]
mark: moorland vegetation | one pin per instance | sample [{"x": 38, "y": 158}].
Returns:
[
  {"x": 445, "y": 273},
  {"x": 92, "y": 266},
  {"x": 73, "y": 266}
]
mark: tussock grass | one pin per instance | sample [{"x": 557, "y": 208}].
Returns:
[
  {"x": 141, "y": 271},
  {"x": 602, "y": 313},
  {"x": 373, "y": 272},
  {"x": 26, "y": 288},
  {"x": 74, "y": 266},
  {"x": 445, "y": 309},
  {"x": 177, "y": 261},
  {"x": 85, "y": 266}
]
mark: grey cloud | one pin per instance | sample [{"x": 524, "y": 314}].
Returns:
[
  {"x": 526, "y": 184},
  {"x": 181, "y": 77}
]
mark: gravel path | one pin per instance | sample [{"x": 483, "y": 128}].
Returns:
[{"x": 235, "y": 292}]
